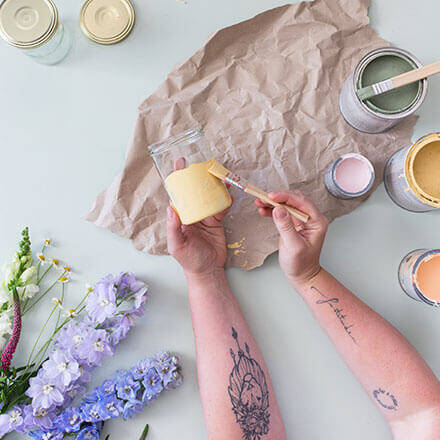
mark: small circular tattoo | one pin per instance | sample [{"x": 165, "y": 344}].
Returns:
[{"x": 385, "y": 399}]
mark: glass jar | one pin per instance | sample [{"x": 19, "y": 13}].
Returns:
[
  {"x": 34, "y": 27},
  {"x": 183, "y": 167}
]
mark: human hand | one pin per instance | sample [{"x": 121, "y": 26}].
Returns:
[
  {"x": 199, "y": 248},
  {"x": 300, "y": 243}
]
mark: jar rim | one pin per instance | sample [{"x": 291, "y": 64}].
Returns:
[{"x": 184, "y": 138}]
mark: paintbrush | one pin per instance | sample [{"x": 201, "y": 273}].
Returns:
[
  {"x": 224, "y": 174},
  {"x": 398, "y": 81}
]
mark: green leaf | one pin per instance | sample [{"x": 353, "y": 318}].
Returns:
[{"x": 144, "y": 432}]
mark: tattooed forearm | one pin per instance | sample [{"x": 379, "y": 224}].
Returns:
[
  {"x": 248, "y": 393},
  {"x": 385, "y": 399},
  {"x": 339, "y": 312}
]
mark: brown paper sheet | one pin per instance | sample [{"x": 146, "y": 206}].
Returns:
[{"x": 266, "y": 92}]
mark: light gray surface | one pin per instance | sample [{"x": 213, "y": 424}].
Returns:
[{"x": 63, "y": 133}]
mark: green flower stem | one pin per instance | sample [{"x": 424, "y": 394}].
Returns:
[
  {"x": 30, "y": 360},
  {"x": 44, "y": 294},
  {"x": 59, "y": 308},
  {"x": 44, "y": 274}
]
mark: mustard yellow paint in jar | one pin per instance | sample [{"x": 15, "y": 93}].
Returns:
[{"x": 195, "y": 194}]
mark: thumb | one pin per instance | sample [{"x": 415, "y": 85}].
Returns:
[
  {"x": 175, "y": 237},
  {"x": 284, "y": 223}
]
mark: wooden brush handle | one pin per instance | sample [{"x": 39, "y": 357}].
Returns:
[
  {"x": 416, "y": 74},
  {"x": 260, "y": 194}
]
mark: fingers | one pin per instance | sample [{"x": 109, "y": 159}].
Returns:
[
  {"x": 286, "y": 227},
  {"x": 175, "y": 237},
  {"x": 179, "y": 164}
]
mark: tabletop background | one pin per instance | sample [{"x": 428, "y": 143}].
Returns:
[{"x": 63, "y": 135}]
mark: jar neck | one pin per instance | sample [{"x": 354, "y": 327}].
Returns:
[{"x": 187, "y": 137}]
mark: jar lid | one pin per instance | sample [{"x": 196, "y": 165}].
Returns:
[
  {"x": 28, "y": 23},
  {"x": 107, "y": 21}
]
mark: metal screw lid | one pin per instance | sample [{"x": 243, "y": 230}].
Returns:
[
  {"x": 107, "y": 21},
  {"x": 28, "y": 23}
]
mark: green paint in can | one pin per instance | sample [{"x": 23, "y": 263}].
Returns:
[{"x": 385, "y": 66}]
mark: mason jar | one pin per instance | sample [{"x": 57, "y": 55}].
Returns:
[
  {"x": 33, "y": 26},
  {"x": 181, "y": 162}
]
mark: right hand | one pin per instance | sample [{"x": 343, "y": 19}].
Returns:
[{"x": 300, "y": 243}]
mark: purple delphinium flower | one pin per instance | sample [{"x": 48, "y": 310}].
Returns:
[
  {"x": 95, "y": 347},
  {"x": 131, "y": 408},
  {"x": 113, "y": 406},
  {"x": 126, "y": 386},
  {"x": 44, "y": 393},
  {"x": 101, "y": 303},
  {"x": 52, "y": 434},
  {"x": 119, "y": 327},
  {"x": 152, "y": 384},
  {"x": 94, "y": 412},
  {"x": 89, "y": 433},
  {"x": 61, "y": 368},
  {"x": 127, "y": 285},
  {"x": 69, "y": 420},
  {"x": 12, "y": 420},
  {"x": 37, "y": 417},
  {"x": 141, "y": 368}
]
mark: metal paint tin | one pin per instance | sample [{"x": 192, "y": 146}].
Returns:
[
  {"x": 401, "y": 182},
  {"x": 332, "y": 185},
  {"x": 34, "y": 27},
  {"x": 367, "y": 118},
  {"x": 407, "y": 273},
  {"x": 107, "y": 21}
]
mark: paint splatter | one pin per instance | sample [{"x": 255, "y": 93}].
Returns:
[
  {"x": 237, "y": 244},
  {"x": 239, "y": 251}
]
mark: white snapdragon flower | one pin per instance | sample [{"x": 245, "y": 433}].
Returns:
[
  {"x": 5, "y": 296},
  {"x": 29, "y": 276},
  {"x": 28, "y": 291},
  {"x": 10, "y": 269},
  {"x": 5, "y": 327}
]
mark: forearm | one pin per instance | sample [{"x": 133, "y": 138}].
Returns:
[
  {"x": 391, "y": 371},
  {"x": 231, "y": 369}
]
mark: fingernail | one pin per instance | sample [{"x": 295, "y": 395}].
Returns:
[{"x": 280, "y": 212}]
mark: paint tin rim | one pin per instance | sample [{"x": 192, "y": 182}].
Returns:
[
  {"x": 392, "y": 51},
  {"x": 361, "y": 158},
  {"x": 416, "y": 265},
  {"x": 370, "y": 104},
  {"x": 409, "y": 169}
]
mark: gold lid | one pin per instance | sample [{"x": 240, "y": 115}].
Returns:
[
  {"x": 28, "y": 23},
  {"x": 107, "y": 21}
]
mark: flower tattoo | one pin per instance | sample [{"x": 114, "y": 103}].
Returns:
[{"x": 248, "y": 393}]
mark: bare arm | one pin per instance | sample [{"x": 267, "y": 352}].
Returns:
[
  {"x": 237, "y": 395},
  {"x": 393, "y": 374}
]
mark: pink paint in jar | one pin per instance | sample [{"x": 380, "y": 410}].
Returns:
[{"x": 351, "y": 175}]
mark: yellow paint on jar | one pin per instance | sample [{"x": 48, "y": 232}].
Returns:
[
  {"x": 196, "y": 194},
  {"x": 422, "y": 169}
]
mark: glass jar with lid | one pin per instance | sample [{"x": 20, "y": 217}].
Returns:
[
  {"x": 183, "y": 167},
  {"x": 34, "y": 27}
]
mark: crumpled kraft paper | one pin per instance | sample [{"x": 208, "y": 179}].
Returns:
[{"x": 266, "y": 92}]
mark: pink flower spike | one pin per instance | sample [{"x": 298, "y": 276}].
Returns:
[{"x": 10, "y": 348}]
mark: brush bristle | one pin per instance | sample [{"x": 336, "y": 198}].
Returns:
[
  {"x": 218, "y": 170},
  {"x": 365, "y": 93}
]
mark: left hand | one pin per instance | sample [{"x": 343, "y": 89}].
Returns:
[{"x": 199, "y": 248}]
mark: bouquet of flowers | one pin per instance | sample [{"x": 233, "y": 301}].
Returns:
[{"x": 35, "y": 397}]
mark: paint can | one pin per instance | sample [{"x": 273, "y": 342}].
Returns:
[
  {"x": 340, "y": 186},
  {"x": 412, "y": 175},
  {"x": 382, "y": 112},
  {"x": 416, "y": 275}
]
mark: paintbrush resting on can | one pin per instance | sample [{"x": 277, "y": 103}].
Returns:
[
  {"x": 398, "y": 81},
  {"x": 224, "y": 174}
]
